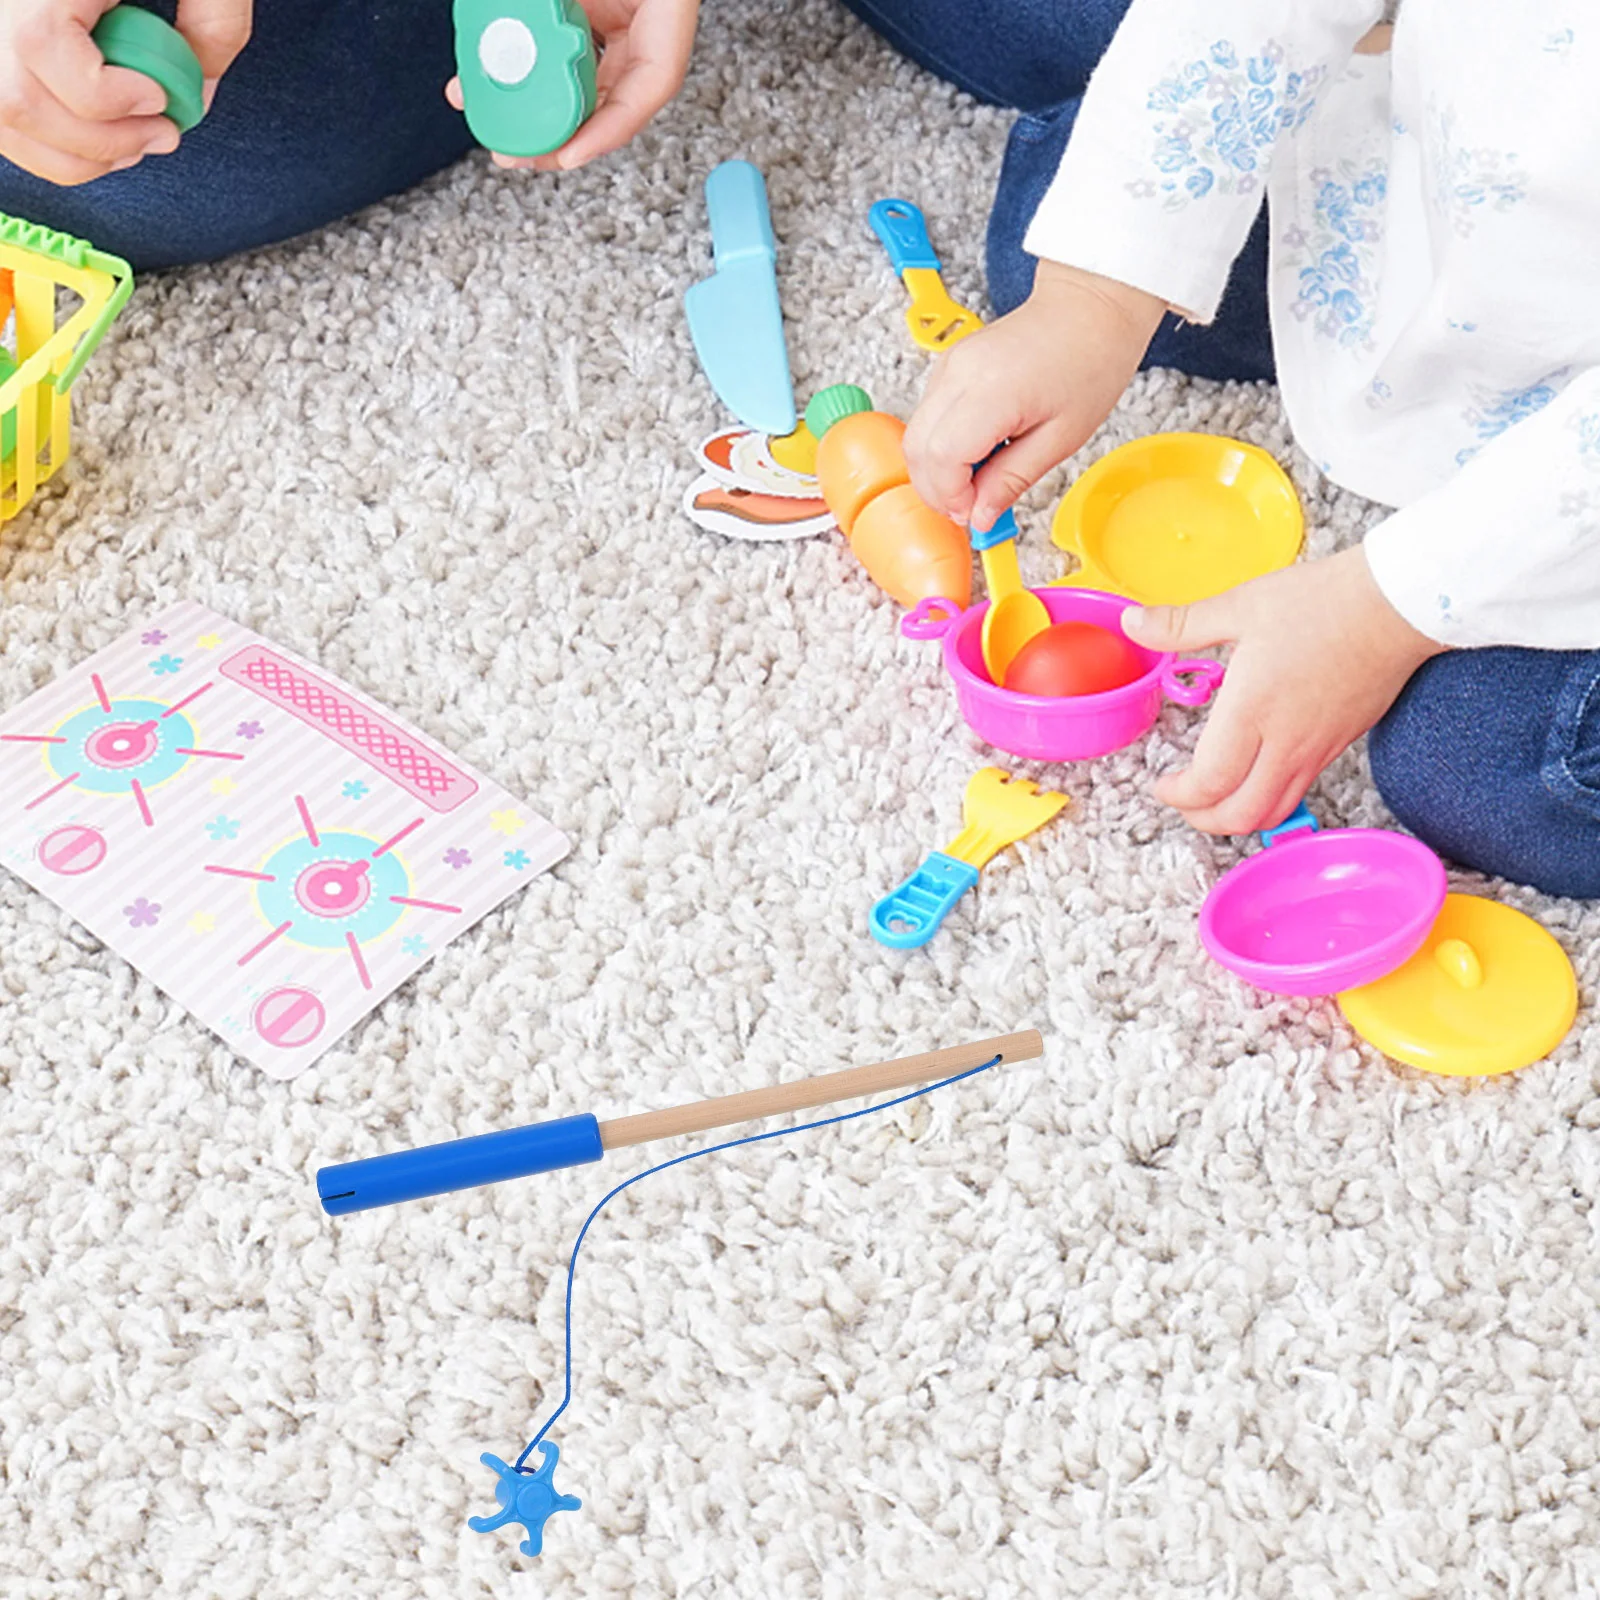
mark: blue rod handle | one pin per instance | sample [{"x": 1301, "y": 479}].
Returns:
[
  {"x": 736, "y": 207},
  {"x": 905, "y": 235},
  {"x": 909, "y": 918},
  {"x": 458, "y": 1164}
]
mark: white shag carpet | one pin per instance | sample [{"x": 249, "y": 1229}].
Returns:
[{"x": 1212, "y": 1301}]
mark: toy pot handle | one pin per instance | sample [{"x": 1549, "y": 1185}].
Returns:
[
  {"x": 1207, "y": 676},
  {"x": 930, "y": 618}
]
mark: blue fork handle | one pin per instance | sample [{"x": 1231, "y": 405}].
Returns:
[
  {"x": 905, "y": 235},
  {"x": 910, "y": 916}
]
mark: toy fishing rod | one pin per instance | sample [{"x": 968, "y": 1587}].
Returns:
[
  {"x": 573, "y": 1141},
  {"x": 526, "y": 1494}
]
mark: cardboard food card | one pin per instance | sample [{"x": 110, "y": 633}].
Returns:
[
  {"x": 743, "y": 493},
  {"x": 741, "y": 458},
  {"x": 266, "y": 844}
]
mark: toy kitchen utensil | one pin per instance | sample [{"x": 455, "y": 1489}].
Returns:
[
  {"x": 1488, "y": 991},
  {"x": 1015, "y": 613},
  {"x": 1178, "y": 517},
  {"x": 997, "y": 811},
  {"x": 935, "y": 320},
  {"x": 1452, "y": 984},
  {"x": 734, "y": 315}
]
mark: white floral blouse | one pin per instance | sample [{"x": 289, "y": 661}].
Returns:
[{"x": 1435, "y": 266}]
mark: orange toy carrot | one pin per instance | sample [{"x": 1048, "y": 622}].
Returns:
[{"x": 908, "y": 548}]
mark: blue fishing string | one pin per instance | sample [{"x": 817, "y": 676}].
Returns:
[{"x": 694, "y": 1155}]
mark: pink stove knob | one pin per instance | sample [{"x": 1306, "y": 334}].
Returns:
[
  {"x": 73, "y": 850},
  {"x": 123, "y": 744},
  {"x": 333, "y": 888},
  {"x": 289, "y": 1018}
]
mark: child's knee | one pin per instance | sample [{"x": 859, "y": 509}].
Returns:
[{"x": 1483, "y": 758}]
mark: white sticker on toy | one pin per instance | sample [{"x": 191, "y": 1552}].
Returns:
[{"x": 267, "y": 845}]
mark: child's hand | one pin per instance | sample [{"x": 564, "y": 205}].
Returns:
[
  {"x": 66, "y": 116},
  {"x": 1044, "y": 378},
  {"x": 1319, "y": 655},
  {"x": 646, "y": 45},
  {"x": 216, "y": 30}
]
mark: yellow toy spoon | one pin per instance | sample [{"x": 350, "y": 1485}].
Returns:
[{"x": 1015, "y": 614}]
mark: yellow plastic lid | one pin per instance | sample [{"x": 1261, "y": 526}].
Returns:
[
  {"x": 1488, "y": 992},
  {"x": 1179, "y": 517}
]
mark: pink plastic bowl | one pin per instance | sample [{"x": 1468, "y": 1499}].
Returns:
[
  {"x": 1319, "y": 913},
  {"x": 1068, "y": 727}
]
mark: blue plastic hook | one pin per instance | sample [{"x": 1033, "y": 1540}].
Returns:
[{"x": 526, "y": 1497}]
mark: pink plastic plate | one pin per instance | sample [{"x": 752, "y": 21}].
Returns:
[{"x": 1319, "y": 913}]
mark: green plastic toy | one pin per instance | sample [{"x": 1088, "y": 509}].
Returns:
[
  {"x": 527, "y": 72},
  {"x": 8, "y": 418},
  {"x": 128, "y": 36}
]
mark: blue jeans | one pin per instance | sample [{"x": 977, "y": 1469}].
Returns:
[
  {"x": 1492, "y": 756},
  {"x": 1037, "y": 55},
  {"x": 332, "y": 105},
  {"x": 335, "y": 104}
]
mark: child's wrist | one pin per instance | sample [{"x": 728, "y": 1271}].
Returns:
[
  {"x": 1140, "y": 312},
  {"x": 1401, "y": 640}
]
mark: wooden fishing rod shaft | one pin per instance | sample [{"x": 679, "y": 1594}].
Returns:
[{"x": 853, "y": 1083}]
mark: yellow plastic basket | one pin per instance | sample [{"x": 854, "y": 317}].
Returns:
[{"x": 35, "y": 384}]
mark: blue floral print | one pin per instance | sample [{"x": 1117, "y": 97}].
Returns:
[
  {"x": 1586, "y": 425},
  {"x": 1336, "y": 293},
  {"x": 1218, "y": 118},
  {"x": 1493, "y": 411},
  {"x": 1466, "y": 183}
]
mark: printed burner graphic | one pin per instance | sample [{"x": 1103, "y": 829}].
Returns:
[
  {"x": 122, "y": 746},
  {"x": 332, "y": 891}
]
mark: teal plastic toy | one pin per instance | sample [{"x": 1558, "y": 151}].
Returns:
[
  {"x": 128, "y": 36},
  {"x": 527, "y": 72},
  {"x": 734, "y": 316}
]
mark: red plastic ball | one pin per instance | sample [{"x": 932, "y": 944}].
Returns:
[{"x": 1073, "y": 658}]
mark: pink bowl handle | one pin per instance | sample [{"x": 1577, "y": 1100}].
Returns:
[
  {"x": 930, "y": 618},
  {"x": 1206, "y": 674}
]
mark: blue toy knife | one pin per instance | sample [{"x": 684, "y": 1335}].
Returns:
[{"x": 734, "y": 315}]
